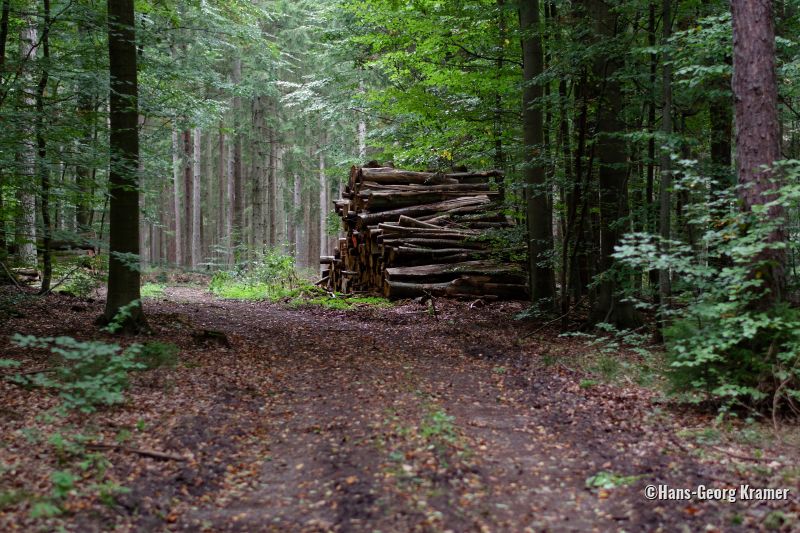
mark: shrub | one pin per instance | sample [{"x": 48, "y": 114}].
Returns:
[
  {"x": 88, "y": 374},
  {"x": 720, "y": 346},
  {"x": 156, "y": 354},
  {"x": 269, "y": 275}
]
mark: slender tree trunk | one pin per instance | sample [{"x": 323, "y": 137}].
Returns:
[
  {"x": 222, "y": 217},
  {"x": 272, "y": 185},
  {"x": 197, "y": 235},
  {"x": 42, "y": 164},
  {"x": 758, "y": 131},
  {"x": 4, "y": 35},
  {"x": 230, "y": 193},
  {"x": 26, "y": 157},
  {"x": 323, "y": 199},
  {"x": 665, "y": 194},
  {"x": 502, "y": 36},
  {"x": 177, "y": 228},
  {"x": 362, "y": 130},
  {"x": 83, "y": 172},
  {"x": 612, "y": 176},
  {"x": 297, "y": 224},
  {"x": 238, "y": 183},
  {"x": 538, "y": 208},
  {"x": 261, "y": 160},
  {"x": 123, "y": 271}
]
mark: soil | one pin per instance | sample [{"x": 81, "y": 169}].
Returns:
[{"x": 372, "y": 419}]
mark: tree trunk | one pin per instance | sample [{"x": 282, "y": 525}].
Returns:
[
  {"x": 222, "y": 176},
  {"x": 260, "y": 161},
  {"x": 758, "y": 131},
  {"x": 41, "y": 144},
  {"x": 538, "y": 209},
  {"x": 665, "y": 194},
  {"x": 26, "y": 156},
  {"x": 612, "y": 174},
  {"x": 83, "y": 172},
  {"x": 323, "y": 200},
  {"x": 123, "y": 268},
  {"x": 177, "y": 227},
  {"x": 238, "y": 182},
  {"x": 197, "y": 235},
  {"x": 272, "y": 188}
]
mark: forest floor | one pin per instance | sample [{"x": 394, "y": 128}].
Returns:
[{"x": 372, "y": 419}]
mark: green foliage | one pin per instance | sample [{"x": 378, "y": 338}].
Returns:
[
  {"x": 124, "y": 313},
  {"x": 721, "y": 344},
  {"x": 79, "y": 276},
  {"x": 340, "y": 301},
  {"x": 87, "y": 375},
  {"x": 270, "y": 275},
  {"x": 152, "y": 355},
  {"x": 152, "y": 290},
  {"x": 609, "y": 480}
]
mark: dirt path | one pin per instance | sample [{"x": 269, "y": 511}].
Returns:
[
  {"x": 394, "y": 420},
  {"x": 391, "y": 420}
]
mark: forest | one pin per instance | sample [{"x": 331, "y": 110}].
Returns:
[{"x": 399, "y": 265}]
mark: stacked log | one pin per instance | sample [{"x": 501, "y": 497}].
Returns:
[{"x": 410, "y": 234}]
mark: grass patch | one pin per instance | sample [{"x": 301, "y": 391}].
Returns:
[
  {"x": 152, "y": 290},
  {"x": 341, "y": 301}
]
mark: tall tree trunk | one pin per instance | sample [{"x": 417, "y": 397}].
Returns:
[
  {"x": 665, "y": 193},
  {"x": 222, "y": 168},
  {"x": 612, "y": 177},
  {"x": 238, "y": 182},
  {"x": 197, "y": 235},
  {"x": 188, "y": 195},
  {"x": 26, "y": 156},
  {"x": 362, "y": 131},
  {"x": 230, "y": 193},
  {"x": 758, "y": 130},
  {"x": 324, "y": 190},
  {"x": 260, "y": 161},
  {"x": 538, "y": 208},
  {"x": 296, "y": 222},
  {"x": 41, "y": 145},
  {"x": 83, "y": 172},
  {"x": 177, "y": 228},
  {"x": 502, "y": 36},
  {"x": 272, "y": 185},
  {"x": 123, "y": 271}
]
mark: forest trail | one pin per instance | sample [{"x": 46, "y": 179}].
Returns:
[
  {"x": 393, "y": 420},
  {"x": 390, "y": 419}
]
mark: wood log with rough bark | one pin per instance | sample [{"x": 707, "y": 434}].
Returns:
[{"x": 410, "y": 233}]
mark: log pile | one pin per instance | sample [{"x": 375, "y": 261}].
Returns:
[{"x": 411, "y": 234}]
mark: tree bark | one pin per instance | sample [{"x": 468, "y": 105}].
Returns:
[
  {"x": 538, "y": 209},
  {"x": 665, "y": 194},
  {"x": 612, "y": 173},
  {"x": 238, "y": 182},
  {"x": 197, "y": 242},
  {"x": 123, "y": 271},
  {"x": 26, "y": 156},
  {"x": 42, "y": 164},
  {"x": 758, "y": 131},
  {"x": 177, "y": 227}
]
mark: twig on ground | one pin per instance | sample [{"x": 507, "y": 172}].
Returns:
[{"x": 146, "y": 453}]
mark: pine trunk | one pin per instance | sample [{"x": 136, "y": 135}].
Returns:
[{"x": 758, "y": 131}]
